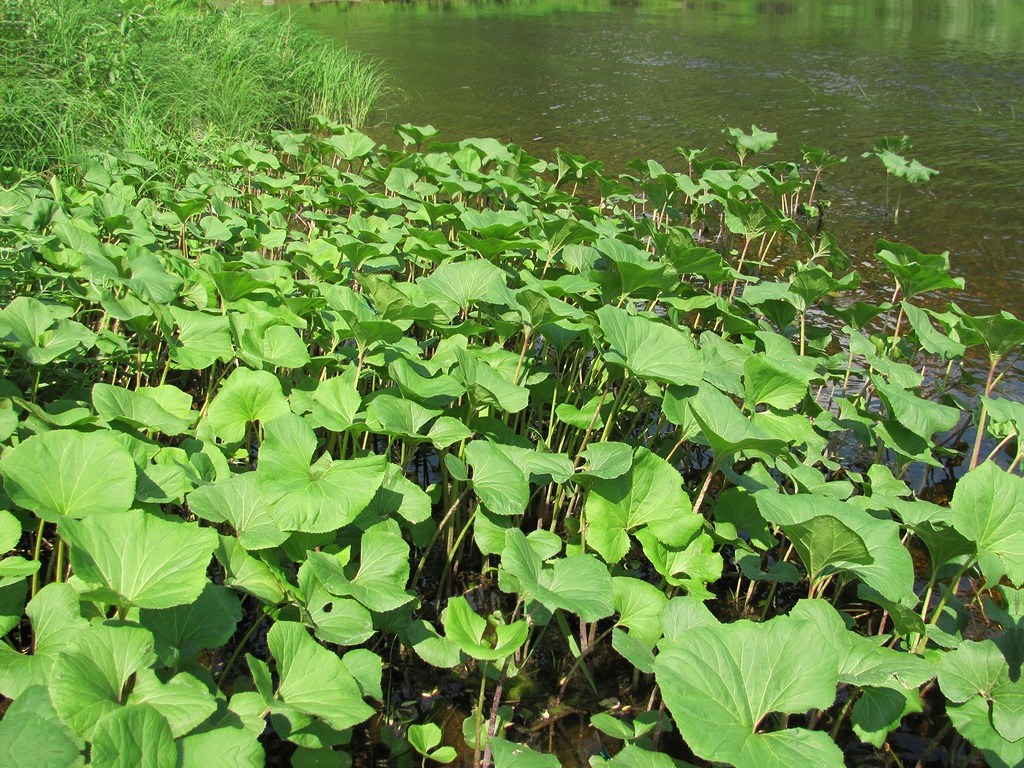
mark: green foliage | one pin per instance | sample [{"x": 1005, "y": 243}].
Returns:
[
  {"x": 277, "y": 433},
  {"x": 155, "y": 77}
]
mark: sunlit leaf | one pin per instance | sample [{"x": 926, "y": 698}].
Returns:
[
  {"x": 720, "y": 682},
  {"x": 68, "y": 474},
  {"x": 135, "y": 558}
]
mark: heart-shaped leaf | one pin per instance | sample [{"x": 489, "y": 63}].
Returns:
[
  {"x": 988, "y": 508},
  {"x": 67, "y": 474},
  {"x": 135, "y": 558},
  {"x": 721, "y": 681},
  {"x": 318, "y": 498},
  {"x": 649, "y": 494},
  {"x": 314, "y": 680},
  {"x": 90, "y": 679}
]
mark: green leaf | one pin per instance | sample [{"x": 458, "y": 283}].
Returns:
[
  {"x": 650, "y": 349},
  {"x": 467, "y": 629},
  {"x": 501, "y": 485},
  {"x": 398, "y": 498},
  {"x": 132, "y": 736},
  {"x": 635, "y": 756},
  {"x": 314, "y": 680},
  {"x": 12, "y": 605},
  {"x": 201, "y": 340},
  {"x": 446, "y": 431},
  {"x": 639, "y": 605},
  {"x": 333, "y": 619},
  {"x": 825, "y": 541},
  {"x": 392, "y": 415},
  {"x": 973, "y": 721},
  {"x": 383, "y": 570},
  {"x": 917, "y": 272},
  {"x": 487, "y": 386},
  {"x": 972, "y": 669},
  {"x": 649, "y": 494},
  {"x": 438, "y": 651},
  {"x": 720, "y": 682},
  {"x": 350, "y": 146},
  {"x": 317, "y": 499},
  {"x": 879, "y": 711},
  {"x": 183, "y": 631},
  {"x": 922, "y": 417},
  {"x": 233, "y": 747},
  {"x": 368, "y": 670},
  {"x": 276, "y": 344},
  {"x": 579, "y": 584},
  {"x": 863, "y": 662},
  {"x": 889, "y": 569},
  {"x": 31, "y": 735},
  {"x": 336, "y": 402},
  {"x": 769, "y": 382},
  {"x": 239, "y": 500},
  {"x": 136, "y": 410},
  {"x": 682, "y": 614},
  {"x": 90, "y": 679},
  {"x": 752, "y": 143},
  {"x": 932, "y": 341},
  {"x": 320, "y": 757},
  {"x": 1001, "y": 334},
  {"x": 978, "y": 671},
  {"x": 457, "y": 285},
  {"x": 247, "y": 396},
  {"x": 64, "y": 473},
  {"x": 249, "y": 574},
  {"x": 691, "y": 567},
  {"x": 607, "y": 460},
  {"x": 42, "y": 333},
  {"x": 56, "y": 622},
  {"x": 184, "y": 700},
  {"x": 509, "y": 755},
  {"x": 988, "y": 508},
  {"x": 725, "y": 427},
  {"x": 424, "y": 738},
  {"x": 135, "y": 558}
]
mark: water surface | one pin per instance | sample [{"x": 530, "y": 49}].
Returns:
[{"x": 620, "y": 79}]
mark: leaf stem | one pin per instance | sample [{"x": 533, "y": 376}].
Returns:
[{"x": 35, "y": 556}]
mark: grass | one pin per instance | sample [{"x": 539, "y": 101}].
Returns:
[{"x": 82, "y": 75}]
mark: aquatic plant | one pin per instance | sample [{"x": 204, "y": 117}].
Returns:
[
  {"x": 890, "y": 151},
  {"x": 281, "y": 430}
]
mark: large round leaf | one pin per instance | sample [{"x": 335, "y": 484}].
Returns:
[
  {"x": 721, "y": 680},
  {"x": 988, "y": 508},
  {"x": 90, "y": 679},
  {"x": 246, "y": 396},
  {"x": 183, "y": 631},
  {"x": 650, "y": 494},
  {"x": 314, "y": 680},
  {"x": 64, "y": 473},
  {"x": 134, "y": 736},
  {"x": 318, "y": 498},
  {"x": 135, "y": 558},
  {"x": 649, "y": 348},
  {"x": 31, "y": 735}
]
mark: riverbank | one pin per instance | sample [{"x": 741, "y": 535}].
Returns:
[{"x": 166, "y": 78}]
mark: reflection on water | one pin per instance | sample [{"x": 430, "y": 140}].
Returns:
[{"x": 637, "y": 78}]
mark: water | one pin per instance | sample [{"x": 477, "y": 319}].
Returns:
[{"x": 620, "y": 79}]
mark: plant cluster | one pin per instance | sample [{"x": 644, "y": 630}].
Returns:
[
  {"x": 156, "y": 76},
  {"x": 325, "y": 412}
]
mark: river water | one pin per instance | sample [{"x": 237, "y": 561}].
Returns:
[{"x": 621, "y": 79}]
